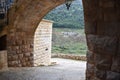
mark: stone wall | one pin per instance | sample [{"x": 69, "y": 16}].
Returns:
[
  {"x": 42, "y": 43},
  {"x": 102, "y": 28},
  {"x": 24, "y": 17},
  {"x": 70, "y": 56},
  {"x": 3, "y": 60},
  {"x": 20, "y": 49}
]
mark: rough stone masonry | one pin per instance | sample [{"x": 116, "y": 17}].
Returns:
[
  {"x": 42, "y": 43},
  {"x": 102, "y": 28}
]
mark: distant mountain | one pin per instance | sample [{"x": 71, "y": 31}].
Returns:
[{"x": 72, "y": 18}]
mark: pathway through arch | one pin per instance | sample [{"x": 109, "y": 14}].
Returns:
[{"x": 65, "y": 69}]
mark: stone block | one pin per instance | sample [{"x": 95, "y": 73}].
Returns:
[
  {"x": 100, "y": 74},
  {"x": 27, "y": 54},
  {"x": 113, "y": 75},
  {"x": 102, "y": 44},
  {"x": 90, "y": 69},
  {"x": 90, "y": 57},
  {"x": 14, "y": 57},
  {"x": 26, "y": 60},
  {"x": 20, "y": 56},
  {"x": 3, "y": 60},
  {"x": 103, "y": 62},
  {"x": 116, "y": 64},
  {"x": 24, "y": 64},
  {"x": 30, "y": 58},
  {"x": 14, "y": 63}
]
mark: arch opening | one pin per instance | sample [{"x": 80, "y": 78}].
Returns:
[
  {"x": 43, "y": 39},
  {"x": 101, "y": 26}
]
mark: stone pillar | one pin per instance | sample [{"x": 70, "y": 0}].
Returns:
[
  {"x": 20, "y": 49},
  {"x": 102, "y": 27},
  {"x": 42, "y": 43}
]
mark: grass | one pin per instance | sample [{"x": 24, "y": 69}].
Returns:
[
  {"x": 68, "y": 45},
  {"x": 77, "y": 48},
  {"x": 81, "y": 31}
]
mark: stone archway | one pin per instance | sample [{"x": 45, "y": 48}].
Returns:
[
  {"x": 25, "y": 16},
  {"x": 101, "y": 27}
]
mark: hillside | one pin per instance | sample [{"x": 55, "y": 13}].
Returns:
[{"x": 64, "y": 18}]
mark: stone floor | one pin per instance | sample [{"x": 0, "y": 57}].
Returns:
[{"x": 64, "y": 70}]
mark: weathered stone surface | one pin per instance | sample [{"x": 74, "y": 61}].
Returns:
[
  {"x": 103, "y": 62},
  {"x": 90, "y": 57},
  {"x": 103, "y": 40},
  {"x": 42, "y": 43},
  {"x": 90, "y": 12},
  {"x": 27, "y": 54},
  {"x": 113, "y": 76},
  {"x": 20, "y": 56},
  {"x": 90, "y": 71},
  {"x": 3, "y": 60},
  {"x": 116, "y": 64},
  {"x": 118, "y": 52},
  {"x": 106, "y": 30},
  {"x": 102, "y": 25},
  {"x": 100, "y": 74},
  {"x": 102, "y": 44}
]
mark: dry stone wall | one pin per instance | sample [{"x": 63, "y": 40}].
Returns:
[
  {"x": 70, "y": 56},
  {"x": 42, "y": 43}
]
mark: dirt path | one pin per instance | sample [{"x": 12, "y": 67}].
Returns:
[{"x": 64, "y": 70}]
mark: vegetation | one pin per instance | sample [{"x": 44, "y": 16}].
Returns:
[
  {"x": 69, "y": 44},
  {"x": 64, "y": 18},
  {"x": 68, "y": 29}
]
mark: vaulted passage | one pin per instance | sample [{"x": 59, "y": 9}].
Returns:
[{"x": 102, "y": 25}]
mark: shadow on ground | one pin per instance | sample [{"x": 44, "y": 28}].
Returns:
[{"x": 64, "y": 70}]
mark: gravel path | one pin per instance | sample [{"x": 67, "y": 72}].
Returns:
[{"x": 65, "y": 69}]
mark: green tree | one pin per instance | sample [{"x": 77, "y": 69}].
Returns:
[{"x": 64, "y": 18}]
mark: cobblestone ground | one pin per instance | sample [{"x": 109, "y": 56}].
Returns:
[{"x": 64, "y": 70}]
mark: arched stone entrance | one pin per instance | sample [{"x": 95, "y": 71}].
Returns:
[
  {"x": 102, "y": 25},
  {"x": 22, "y": 43}
]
